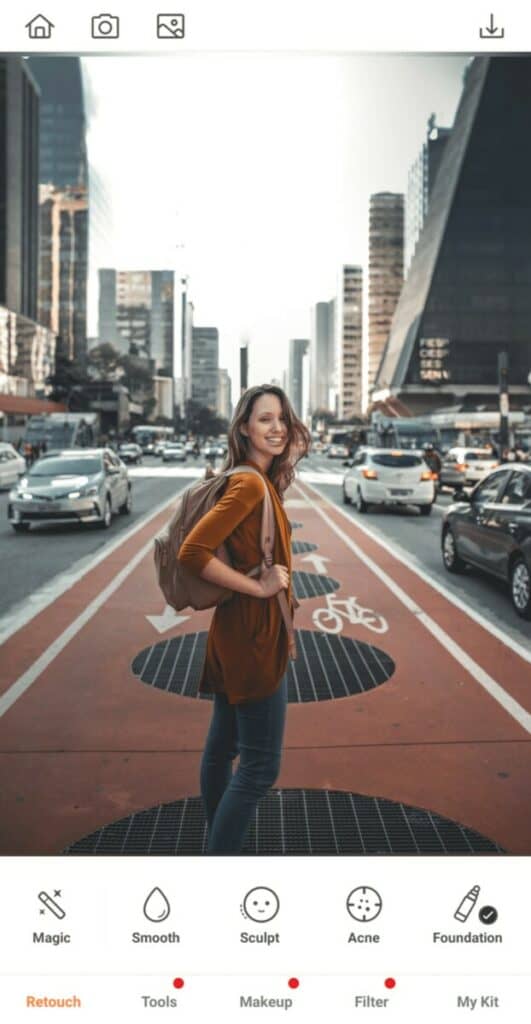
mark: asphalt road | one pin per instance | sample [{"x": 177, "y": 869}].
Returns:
[{"x": 31, "y": 563}]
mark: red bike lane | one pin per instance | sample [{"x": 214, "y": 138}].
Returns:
[{"x": 84, "y": 742}]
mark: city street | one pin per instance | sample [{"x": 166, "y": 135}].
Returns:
[{"x": 409, "y": 697}]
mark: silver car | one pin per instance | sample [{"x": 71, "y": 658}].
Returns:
[{"x": 87, "y": 485}]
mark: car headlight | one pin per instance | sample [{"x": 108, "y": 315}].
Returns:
[{"x": 87, "y": 492}]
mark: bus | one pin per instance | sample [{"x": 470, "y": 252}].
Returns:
[
  {"x": 59, "y": 430},
  {"x": 148, "y": 434}
]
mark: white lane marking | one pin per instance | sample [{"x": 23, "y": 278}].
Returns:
[
  {"x": 164, "y": 471},
  {"x": 167, "y": 620},
  {"x": 26, "y": 610},
  {"x": 496, "y": 691},
  {"x": 406, "y": 557},
  {"x": 23, "y": 683}
]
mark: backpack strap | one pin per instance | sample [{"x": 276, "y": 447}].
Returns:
[{"x": 267, "y": 540}]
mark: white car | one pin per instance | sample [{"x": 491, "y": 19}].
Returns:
[
  {"x": 174, "y": 452},
  {"x": 384, "y": 476},
  {"x": 467, "y": 465},
  {"x": 12, "y": 465},
  {"x": 337, "y": 451}
]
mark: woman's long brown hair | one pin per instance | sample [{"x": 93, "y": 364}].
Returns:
[{"x": 282, "y": 469}]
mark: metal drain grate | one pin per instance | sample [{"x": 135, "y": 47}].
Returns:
[
  {"x": 309, "y": 584},
  {"x": 327, "y": 667},
  {"x": 294, "y": 525},
  {"x": 292, "y": 822},
  {"x": 298, "y": 546}
]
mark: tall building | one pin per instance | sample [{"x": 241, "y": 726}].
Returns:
[
  {"x": 136, "y": 314},
  {"x": 298, "y": 347},
  {"x": 244, "y": 368},
  {"x": 63, "y": 250},
  {"x": 62, "y": 148},
  {"x": 421, "y": 179},
  {"x": 205, "y": 366},
  {"x": 322, "y": 354},
  {"x": 224, "y": 395},
  {"x": 349, "y": 327},
  {"x": 386, "y": 272},
  {"x": 27, "y": 349},
  {"x": 468, "y": 292}
]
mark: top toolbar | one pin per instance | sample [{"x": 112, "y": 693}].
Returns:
[{"x": 278, "y": 25}]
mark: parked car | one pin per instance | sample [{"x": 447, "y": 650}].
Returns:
[
  {"x": 130, "y": 453},
  {"x": 12, "y": 465},
  {"x": 212, "y": 450},
  {"x": 464, "y": 466},
  {"x": 87, "y": 485},
  {"x": 159, "y": 447},
  {"x": 337, "y": 451},
  {"x": 491, "y": 528},
  {"x": 382, "y": 476},
  {"x": 174, "y": 452}
]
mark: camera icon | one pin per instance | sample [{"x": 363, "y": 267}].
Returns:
[{"x": 105, "y": 26}]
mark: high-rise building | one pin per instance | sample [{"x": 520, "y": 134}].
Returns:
[
  {"x": 322, "y": 354},
  {"x": 136, "y": 314},
  {"x": 386, "y": 272},
  {"x": 421, "y": 179},
  {"x": 349, "y": 328},
  {"x": 468, "y": 292},
  {"x": 62, "y": 304},
  {"x": 224, "y": 395},
  {"x": 298, "y": 347},
  {"x": 244, "y": 368},
  {"x": 27, "y": 349},
  {"x": 205, "y": 366},
  {"x": 62, "y": 148}
]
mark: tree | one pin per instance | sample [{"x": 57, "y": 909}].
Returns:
[
  {"x": 103, "y": 362},
  {"x": 68, "y": 374}
]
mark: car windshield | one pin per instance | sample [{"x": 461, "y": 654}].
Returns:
[
  {"x": 396, "y": 459},
  {"x": 475, "y": 456},
  {"x": 65, "y": 467}
]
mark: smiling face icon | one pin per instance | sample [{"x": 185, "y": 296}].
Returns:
[{"x": 261, "y": 904}]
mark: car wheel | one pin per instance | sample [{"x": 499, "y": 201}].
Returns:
[
  {"x": 106, "y": 519},
  {"x": 425, "y": 510},
  {"x": 452, "y": 561},
  {"x": 20, "y": 527},
  {"x": 127, "y": 506},
  {"x": 520, "y": 580},
  {"x": 346, "y": 499},
  {"x": 361, "y": 504}
]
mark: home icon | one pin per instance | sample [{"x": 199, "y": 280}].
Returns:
[{"x": 39, "y": 27}]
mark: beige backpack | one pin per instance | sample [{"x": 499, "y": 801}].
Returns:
[{"x": 184, "y": 589}]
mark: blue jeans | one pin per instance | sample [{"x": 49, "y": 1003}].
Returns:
[{"x": 254, "y": 730}]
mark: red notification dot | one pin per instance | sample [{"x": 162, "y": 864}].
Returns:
[
  {"x": 178, "y": 982},
  {"x": 389, "y": 982},
  {"x": 293, "y": 982}
]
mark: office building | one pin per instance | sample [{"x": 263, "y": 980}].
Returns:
[
  {"x": 63, "y": 250},
  {"x": 298, "y": 348},
  {"x": 322, "y": 355},
  {"x": 27, "y": 348},
  {"x": 224, "y": 395},
  {"x": 421, "y": 179},
  {"x": 244, "y": 368},
  {"x": 468, "y": 292},
  {"x": 136, "y": 314},
  {"x": 62, "y": 146},
  {"x": 349, "y": 336},
  {"x": 205, "y": 366},
  {"x": 386, "y": 272}
]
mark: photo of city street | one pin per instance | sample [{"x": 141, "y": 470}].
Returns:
[{"x": 357, "y": 231}]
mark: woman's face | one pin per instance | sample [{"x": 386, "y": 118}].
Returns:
[{"x": 266, "y": 428}]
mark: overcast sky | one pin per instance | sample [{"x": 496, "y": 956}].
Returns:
[{"x": 262, "y": 167}]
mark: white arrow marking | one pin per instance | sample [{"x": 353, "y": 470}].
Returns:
[
  {"x": 317, "y": 560},
  {"x": 167, "y": 620}
]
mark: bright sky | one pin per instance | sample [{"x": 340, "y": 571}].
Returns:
[{"x": 262, "y": 165}]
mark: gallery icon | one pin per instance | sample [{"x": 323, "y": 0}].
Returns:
[
  {"x": 364, "y": 903},
  {"x": 260, "y": 904},
  {"x": 105, "y": 26},
  {"x": 39, "y": 27},
  {"x": 170, "y": 26}
]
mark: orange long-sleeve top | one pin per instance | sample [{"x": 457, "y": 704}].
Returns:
[{"x": 247, "y": 645}]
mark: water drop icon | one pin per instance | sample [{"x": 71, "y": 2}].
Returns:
[{"x": 156, "y": 907}]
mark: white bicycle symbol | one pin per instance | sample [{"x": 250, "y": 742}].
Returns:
[{"x": 330, "y": 619}]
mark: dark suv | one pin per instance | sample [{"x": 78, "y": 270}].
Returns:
[{"x": 491, "y": 529}]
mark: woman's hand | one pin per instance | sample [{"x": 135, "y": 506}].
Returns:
[{"x": 272, "y": 580}]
